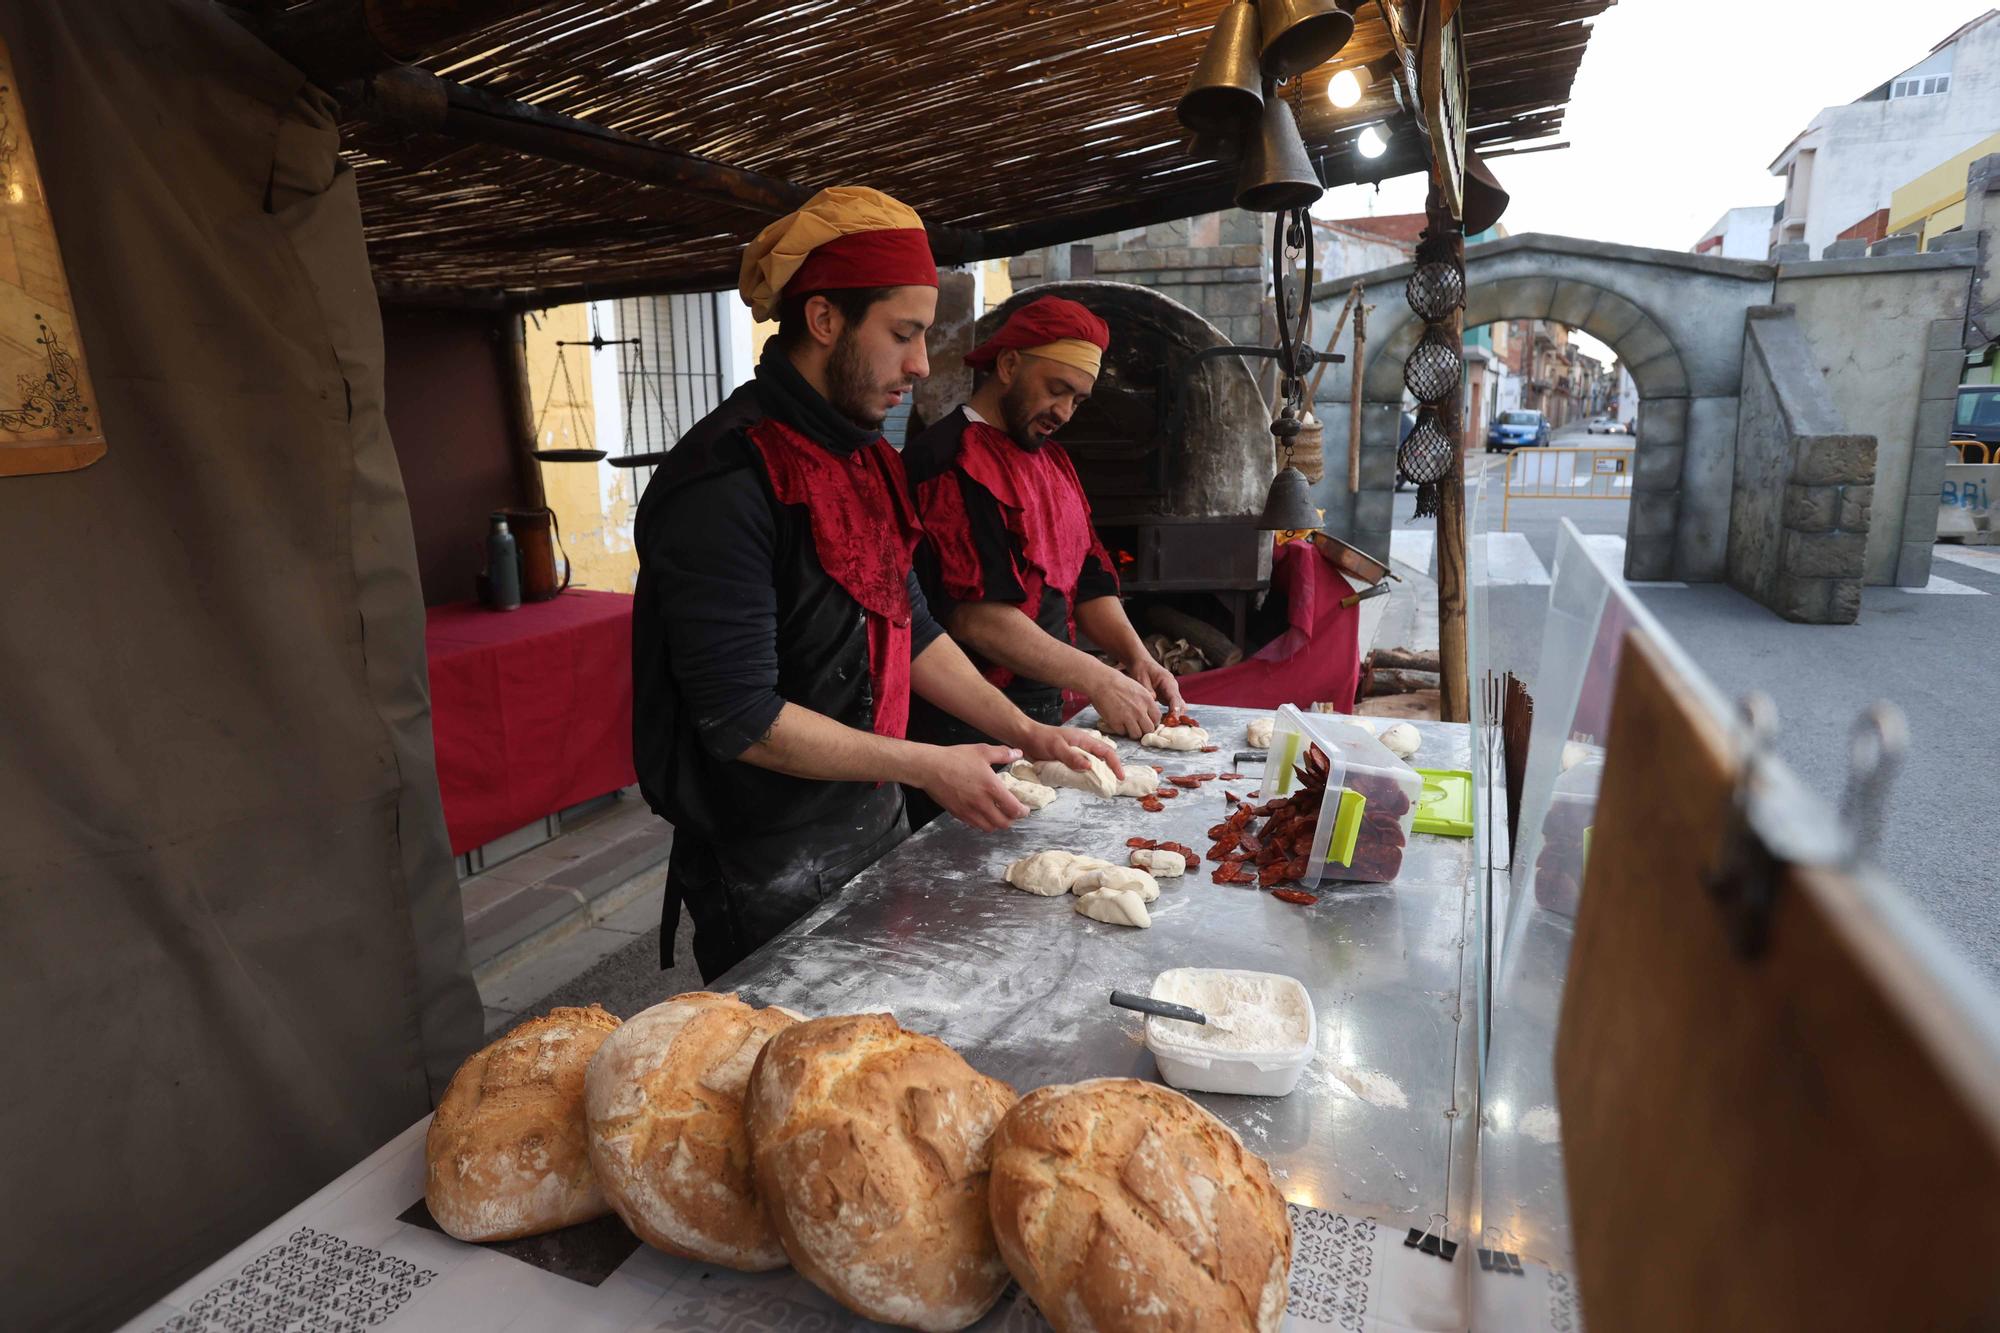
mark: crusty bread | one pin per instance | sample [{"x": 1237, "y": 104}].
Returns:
[
  {"x": 664, "y": 1102},
  {"x": 871, "y": 1146},
  {"x": 1123, "y": 1206},
  {"x": 505, "y": 1155}
]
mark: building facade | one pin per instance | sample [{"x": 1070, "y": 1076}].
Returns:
[
  {"x": 1844, "y": 166},
  {"x": 1741, "y": 233}
]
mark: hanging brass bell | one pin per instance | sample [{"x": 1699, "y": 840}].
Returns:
[
  {"x": 1227, "y": 90},
  {"x": 1288, "y": 506},
  {"x": 1275, "y": 173},
  {"x": 1300, "y": 35}
]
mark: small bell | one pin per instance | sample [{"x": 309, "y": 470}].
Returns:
[
  {"x": 1288, "y": 507},
  {"x": 1226, "y": 92},
  {"x": 1300, "y": 35},
  {"x": 1276, "y": 174}
]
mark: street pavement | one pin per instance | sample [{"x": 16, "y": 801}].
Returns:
[{"x": 1929, "y": 651}]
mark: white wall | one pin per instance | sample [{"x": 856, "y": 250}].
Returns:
[
  {"x": 1745, "y": 233},
  {"x": 1863, "y": 151}
]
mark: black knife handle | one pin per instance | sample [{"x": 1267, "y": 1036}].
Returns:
[{"x": 1146, "y": 1004}]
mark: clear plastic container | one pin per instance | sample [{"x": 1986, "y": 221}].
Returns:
[
  {"x": 1186, "y": 1065},
  {"x": 1371, "y": 795}
]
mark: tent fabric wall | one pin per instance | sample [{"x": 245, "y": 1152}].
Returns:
[{"x": 235, "y": 961}]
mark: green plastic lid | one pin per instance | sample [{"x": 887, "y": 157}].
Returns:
[{"x": 1445, "y": 808}]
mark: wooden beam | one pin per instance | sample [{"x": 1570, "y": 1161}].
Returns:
[
  {"x": 337, "y": 40},
  {"x": 409, "y": 98}
]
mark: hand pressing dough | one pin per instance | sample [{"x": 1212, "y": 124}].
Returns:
[
  {"x": 1258, "y": 733},
  {"x": 1114, "y": 907},
  {"x": 1031, "y": 794},
  {"x": 1140, "y": 780},
  {"x": 1050, "y": 874},
  {"x": 1402, "y": 740},
  {"x": 1116, "y": 878},
  {"x": 1159, "y": 864},
  {"x": 1098, "y": 780},
  {"x": 1175, "y": 738}
]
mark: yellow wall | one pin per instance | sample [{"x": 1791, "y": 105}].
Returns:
[
  {"x": 1937, "y": 198},
  {"x": 592, "y": 502}
]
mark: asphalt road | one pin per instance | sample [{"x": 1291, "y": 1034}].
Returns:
[{"x": 1930, "y": 653}]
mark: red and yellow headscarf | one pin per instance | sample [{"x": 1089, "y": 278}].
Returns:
[
  {"x": 845, "y": 236},
  {"x": 1049, "y": 326}
]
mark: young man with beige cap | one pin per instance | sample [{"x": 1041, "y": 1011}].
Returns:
[{"x": 778, "y": 632}]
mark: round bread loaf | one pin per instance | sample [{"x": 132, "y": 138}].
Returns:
[
  {"x": 1123, "y": 1206},
  {"x": 505, "y": 1155},
  {"x": 871, "y": 1146},
  {"x": 664, "y": 1103}
]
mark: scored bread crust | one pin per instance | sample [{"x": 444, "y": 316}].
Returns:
[
  {"x": 664, "y": 1106},
  {"x": 871, "y": 1147},
  {"x": 1124, "y": 1207},
  {"x": 505, "y": 1156}
]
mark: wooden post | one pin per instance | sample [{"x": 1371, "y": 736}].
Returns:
[
  {"x": 519, "y": 403},
  {"x": 1454, "y": 684}
]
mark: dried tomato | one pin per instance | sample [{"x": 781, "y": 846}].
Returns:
[
  {"x": 1140, "y": 842},
  {"x": 1295, "y": 896},
  {"x": 1185, "y": 781},
  {"x": 1153, "y": 803},
  {"x": 1230, "y": 777},
  {"x": 1210, "y": 749},
  {"x": 1166, "y": 793}
]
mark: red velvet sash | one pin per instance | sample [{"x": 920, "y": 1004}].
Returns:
[{"x": 863, "y": 530}]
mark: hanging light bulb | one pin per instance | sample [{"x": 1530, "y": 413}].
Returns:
[
  {"x": 1372, "y": 141},
  {"x": 1346, "y": 87}
]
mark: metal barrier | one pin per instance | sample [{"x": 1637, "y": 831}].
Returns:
[
  {"x": 1965, "y": 448},
  {"x": 1567, "y": 472}
]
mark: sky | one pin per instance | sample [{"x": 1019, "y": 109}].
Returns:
[{"x": 1678, "y": 110}]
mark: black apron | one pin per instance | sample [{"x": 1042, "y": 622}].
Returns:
[{"x": 742, "y": 891}]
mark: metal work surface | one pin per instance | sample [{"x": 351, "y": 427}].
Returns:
[
  {"x": 1378, "y": 1137},
  {"x": 1018, "y": 984}
]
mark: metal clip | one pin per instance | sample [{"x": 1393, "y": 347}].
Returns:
[
  {"x": 1875, "y": 750},
  {"x": 1744, "y": 878},
  {"x": 1431, "y": 1239}
]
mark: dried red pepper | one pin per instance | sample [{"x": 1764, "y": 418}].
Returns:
[{"x": 1295, "y": 896}]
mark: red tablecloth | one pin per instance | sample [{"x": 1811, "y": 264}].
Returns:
[
  {"x": 531, "y": 710},
  {"x": 1317, "y": 660}
]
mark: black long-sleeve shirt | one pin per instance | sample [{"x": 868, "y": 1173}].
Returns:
[{"x": 734, "y": 616}]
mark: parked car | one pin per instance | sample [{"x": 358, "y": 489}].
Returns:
[
  {"x": 1605, "y": 426},
  {"x": 1512, "y": 430},
  {"x": 1977, "y": 419}
]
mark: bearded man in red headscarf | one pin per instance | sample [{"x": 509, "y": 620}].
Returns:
[
  {"x": 1014, "y": 568},
  {"x": 778, "y": 631}
]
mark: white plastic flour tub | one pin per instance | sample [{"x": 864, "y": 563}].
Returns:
[{"x": 1186, "y": 1062}]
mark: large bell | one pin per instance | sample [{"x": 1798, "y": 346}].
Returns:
[
  {"x": 1227, "y": 90},
  {"x": 1288, "y": 507},
  {"x": 1301, "y": 34},
  {"x": 1275, "y": 173}
]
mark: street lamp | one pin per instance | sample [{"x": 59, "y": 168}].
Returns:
[{"x": 1373, "y": 141}]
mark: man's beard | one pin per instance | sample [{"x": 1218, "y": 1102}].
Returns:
[
  {"x": 1017, "y": 414},
  {"x": 849, "y": 387}
]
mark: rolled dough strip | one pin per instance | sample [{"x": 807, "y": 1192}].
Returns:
[
  {"x": 1098, "y": 780},
  {"x": 1031, "y": 794},
  {"x": 1115, "y": 907},
  {"x": 1050, "y": 874},
  {"x": 1258, "y": 733}
]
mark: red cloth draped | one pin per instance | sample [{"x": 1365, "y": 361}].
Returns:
[
  {"x": 863, "y": 530},
  {"x": 531, "y": 710},
  {"x": 1318, "y": 659}
]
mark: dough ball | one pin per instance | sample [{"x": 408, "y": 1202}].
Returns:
[
  {"x": 1031, "y": 794},
  {"x": 1116, "y": 877},
  {"x": 1258, "y": 734},
  {"x": 1140, "y": 780},
  {"x": 1114, "y": 907},
  {"x": 1402, "y": 740},
  {"x": 1175, "y": 738},
  {"x": 1159, "y": 864}
]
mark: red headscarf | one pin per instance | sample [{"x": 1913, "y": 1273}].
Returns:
[{"x": 1050, "y": 326}]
